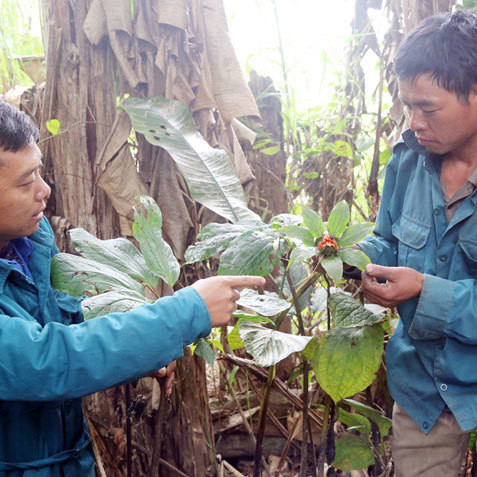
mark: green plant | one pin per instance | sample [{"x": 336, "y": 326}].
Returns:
[
  {"x": 345, "y": 353},
  {"x": 340, "y": 343}
]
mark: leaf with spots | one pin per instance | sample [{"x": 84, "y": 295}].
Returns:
[
  {"x": 209, "y": 172},
  {"x": 348, "y": 312},
  {"x": 266, "y": 305},
  {"x": 353, "y": 452},
  {"x": 254, "y": 253},
  {"x": 347, "y": 359}
]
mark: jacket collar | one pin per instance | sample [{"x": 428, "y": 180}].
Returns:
[{"x": 432, "y": 162}]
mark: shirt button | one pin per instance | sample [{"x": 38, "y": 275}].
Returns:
[
  {"x": 437, "y": 212},
  {"x": 425, "y": 425},
  {"x": 443, "y": 258},
  {"x": 443, "y": 387}
]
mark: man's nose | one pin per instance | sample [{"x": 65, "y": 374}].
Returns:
[
  {"x": 416, "y": 121},
  {"x": 44, "y": 190}
]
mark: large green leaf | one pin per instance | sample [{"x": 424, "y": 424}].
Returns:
[
  {"x": 267, "y": 346},
  {"x": 116, "y": 301},
  {"x": 282, "y": 220},
  {"x": 348, "y": 312},
  {"x": 156, "y": 251},
  {"x": 353, "y": 452},
  {"x": 354, "y": 233},
  {"x": 338, "y": 219},
  {"x": 252, "y": 253},
  {"x": 298, "y": 274},
  {"x": 347, "y": 360},
  {"x": 119, "y": 253},
  {"x": 295, "y": 231},
  {"x": 301, "y": 254},
  {"x": 355, "y": 258},
  {"x": 79, "y": 276},
  {"x": 354, "y": 421},
  {"x": 383, "y": 422},
  {"x": 209, "y": 172},
  {"x": 333, "y": 267},
  {"x": 233, "y": 338},
  {"x": 266, "y": 305},
  {"x": 313, "y": 222},
  {"x": 215, "y": 238},
  {"x": 205, "y": 351}
]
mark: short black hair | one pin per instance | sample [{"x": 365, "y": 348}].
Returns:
[
  {"x": 17, "y": 130},
  {"x": 444, "y": 47}
]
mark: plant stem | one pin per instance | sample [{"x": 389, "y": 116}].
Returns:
[
  {"x": 328, "y": 295},
  {"x": 257, "y": 468},
  {"x": 128, "y": 432},
  {"x": 160, "y": 419},
  {"x": 306, "y": 370},
  {"x": 307, "y": 283},
  {"x": 324, "y": 435}
]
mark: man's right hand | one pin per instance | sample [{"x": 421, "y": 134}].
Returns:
[{"x": 221, "y": 293}]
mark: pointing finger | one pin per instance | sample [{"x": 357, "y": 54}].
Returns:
[{"x": 244, "y": 281}]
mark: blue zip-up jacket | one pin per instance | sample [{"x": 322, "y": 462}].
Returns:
[
  {"x": 49, "y": 358},
  {"x": 432, "y": 356}
]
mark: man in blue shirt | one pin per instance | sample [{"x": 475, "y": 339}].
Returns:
[
  {"x": 49, "y": 356},
  {"x": 424, "y": 251}
]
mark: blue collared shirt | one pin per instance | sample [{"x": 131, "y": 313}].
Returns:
[{"x": 432, "y": 356}]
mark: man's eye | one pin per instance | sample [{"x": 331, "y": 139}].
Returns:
[{"x": 429, "y": 111}]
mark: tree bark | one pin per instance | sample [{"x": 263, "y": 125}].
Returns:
[{"x": 97, "y": 51}]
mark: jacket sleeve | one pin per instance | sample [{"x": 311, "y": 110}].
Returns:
[
  {"x": 58, "y": 361},
  {"x": 446, "y": 309},
  {"x": 381, "y": 247}
]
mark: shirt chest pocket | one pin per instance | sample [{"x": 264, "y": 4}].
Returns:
[
  {"x": 412, "y": 236},
  {"x": 469, "y": 251}
]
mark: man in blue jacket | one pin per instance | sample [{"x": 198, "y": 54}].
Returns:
[
  {"x": 425, "y": 249},
  {"x": 49, "y": 357}
]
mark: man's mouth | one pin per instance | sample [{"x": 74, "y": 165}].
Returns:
[
  {"x": 39, "y": 215},
  {"x": 423, "y": 141}
]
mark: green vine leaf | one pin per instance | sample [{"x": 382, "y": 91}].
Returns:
[{"x": 53, "y": 126}]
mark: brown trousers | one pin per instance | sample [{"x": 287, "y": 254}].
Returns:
[{"x": 440, "y": 453}]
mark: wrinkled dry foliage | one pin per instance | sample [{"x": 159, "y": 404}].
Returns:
[{"x": 99, "y": 50}]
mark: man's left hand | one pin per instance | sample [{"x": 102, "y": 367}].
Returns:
[
  {"x": 169, "y": 374},
  {"x": 402, "y": 284}
]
